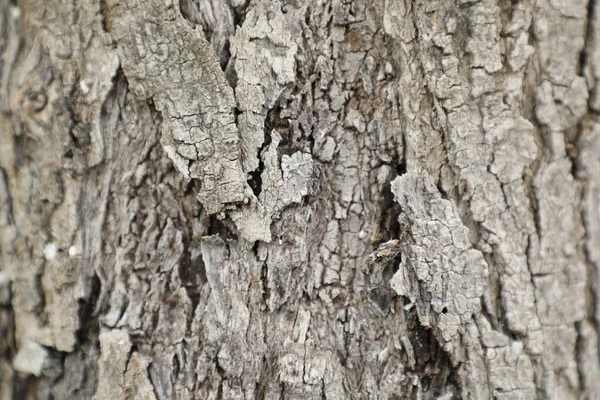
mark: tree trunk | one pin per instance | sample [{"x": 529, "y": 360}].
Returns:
[{"x": 280, "y": 199}]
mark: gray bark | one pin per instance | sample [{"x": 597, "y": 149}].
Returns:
[{"x": 277, "y": 199}]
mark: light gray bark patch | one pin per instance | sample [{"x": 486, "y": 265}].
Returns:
[
  {"x": 169, "y": 62},
  {"x": 214, "y": 254},
  {"x": 114, "y": 348},
  {"x": 440, "y": 272},
  {"x": 30, "y": 358},
  {"x": 265, "y": 62},
  {"x": 137, "y": 383}
]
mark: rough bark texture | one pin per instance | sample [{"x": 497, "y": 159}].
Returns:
[{"x": 281, "y": 199}]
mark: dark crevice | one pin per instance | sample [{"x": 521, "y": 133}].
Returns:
[
  {"x": 89, "y": 327},
  {"x": 239, "y": 16},
  {"x": 8, "y": 202},
  {"x": 220, "y": 228},
  {"x": 53, "y": 367},
  {"x": 572, "y": 139},
  {"x": 132, "y": 349},
  {"x": 282, "y": 126},
  {"x": 391, "y": 268},
  {"x": 193, "y": 276},
  {"x": 382, "y": 297},
  {"x": 150, "y": 374},
  {"x": 8, "y": 343},
  {"x": 527, "y": 177},
  {"x": 236, "y": 114},
  {"x": 222, "y": 375},
  {"x": 225, "y": 56},
  {"x": 591, "y": 8},
  {"x": 264, "y": 271},
  {"x": 273, "y": 121},
  {"x": 255, "y": 249},
  {"x": 432, "y": 364},
  {"x": 40, "y": 307},
  {"x": 104, "y": 13},
  {"x": 255, "y": 180},
  {"x": 292, "y": 133},
  {"x": 175, "y": 366},
  {"x": 26, "y": 387},
  {"x": 389, "y": 225},
  {"x": 401, "y": 167},
  {"x": 442, "y": 191}
]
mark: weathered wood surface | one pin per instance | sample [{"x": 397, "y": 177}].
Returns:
[{"x": 276, "y": 199}]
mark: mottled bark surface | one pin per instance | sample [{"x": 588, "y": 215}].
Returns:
[{"x": 279, "y": 199}]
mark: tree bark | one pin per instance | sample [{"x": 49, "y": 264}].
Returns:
[{"x": 278, "y": 199}]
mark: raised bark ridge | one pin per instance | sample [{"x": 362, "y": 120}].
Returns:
[
  {"x": 168, "y": 61},
  {"x": 440, "y": 272},
  {"x": 165, "y": 59}
]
